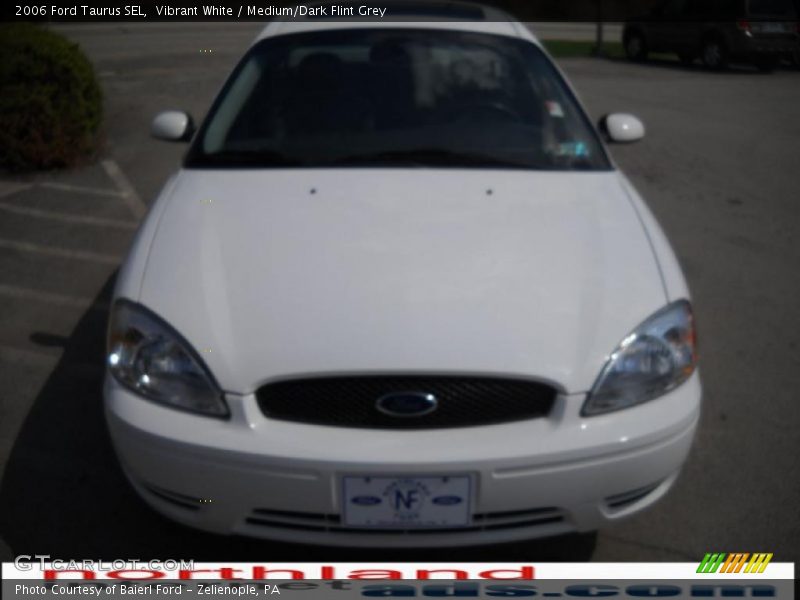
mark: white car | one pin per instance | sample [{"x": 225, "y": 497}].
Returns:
[{"x": 399, "y": 295}]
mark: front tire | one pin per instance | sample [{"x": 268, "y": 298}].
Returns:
[
  {"x": 635, "y": 46},
  {"x": 714, "y": 54}
]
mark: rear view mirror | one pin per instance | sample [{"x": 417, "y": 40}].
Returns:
[
  {"x": 173, "y": 126},
  {"x": 621, "y": 127}
]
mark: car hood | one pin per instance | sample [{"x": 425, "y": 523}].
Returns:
[{"x": 282, "y": 273}]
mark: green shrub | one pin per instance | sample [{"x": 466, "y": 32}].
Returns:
[{"x": 50, "y": 102}]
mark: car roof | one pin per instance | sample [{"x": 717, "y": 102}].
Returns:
[{"x": 415, "y": 14}]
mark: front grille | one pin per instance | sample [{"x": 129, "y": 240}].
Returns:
[
  {"x": 303, "y": 521},
  {"x": 351, "y": 401}
]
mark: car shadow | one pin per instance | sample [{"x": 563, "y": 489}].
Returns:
[{"x": 64, "y": 495}]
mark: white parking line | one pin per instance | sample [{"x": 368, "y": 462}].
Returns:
[
  {"x": 11, "y": 187},
  {"x": 97, "y": 257},
  {"x": 66, "y": 217},
  {"x": 81, "y": 302},
  {"x": 128, "y": 192},
  {"x": 80, "y": 189}
]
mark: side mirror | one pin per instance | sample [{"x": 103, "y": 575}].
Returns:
[
  {"x": 621, "y": 127},
  {"x": 173, "y": 126}
]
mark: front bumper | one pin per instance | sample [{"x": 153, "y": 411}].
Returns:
[{"x": 252, "y": 476}]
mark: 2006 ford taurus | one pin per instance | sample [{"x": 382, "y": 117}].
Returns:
[{"x": 398, "y": 294}]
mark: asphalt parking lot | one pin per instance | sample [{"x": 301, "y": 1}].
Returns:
[{"x": 719, "y": 167}]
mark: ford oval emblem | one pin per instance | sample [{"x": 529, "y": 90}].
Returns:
[
  {"x": 447, "y": 500},
  {"x": 366, "y": 500},
  {"x": 406, "y": 404}
]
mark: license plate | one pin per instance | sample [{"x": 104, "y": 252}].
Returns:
[{"x": 408, "y": 502}]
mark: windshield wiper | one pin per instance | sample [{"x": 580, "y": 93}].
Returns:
[
  {"x": 257, "y": 158},
  {"x": 424, "y": 157},
  {"x": 418, "y": 157}
]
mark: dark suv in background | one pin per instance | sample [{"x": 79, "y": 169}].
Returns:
[
  {"x": 796, "y": 53},
  {"x": 716, "y": 31}
]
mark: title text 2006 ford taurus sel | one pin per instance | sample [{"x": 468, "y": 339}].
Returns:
[{"x": 398, "y": 288}]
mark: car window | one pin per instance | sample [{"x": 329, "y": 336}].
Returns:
[
  {"x": 396, "y": 98},
  {"x": 771, "y": 8},
  {"x": 672, "y": 8},
  {"x": 716, "y": 10}
]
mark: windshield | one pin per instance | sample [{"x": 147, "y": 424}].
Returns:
[{"x": 418, "y": 98}]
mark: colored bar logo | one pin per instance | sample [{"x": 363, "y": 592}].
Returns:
[{"x": 735, "y": 562}]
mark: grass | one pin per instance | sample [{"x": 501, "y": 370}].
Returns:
[
  {"x": 577, "y": 49},
  {"x": 574, "y": 48}
]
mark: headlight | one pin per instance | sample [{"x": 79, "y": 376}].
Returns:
[
  {"x": 149, "y": 357},
  {"x": 655, "y": 358}
]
